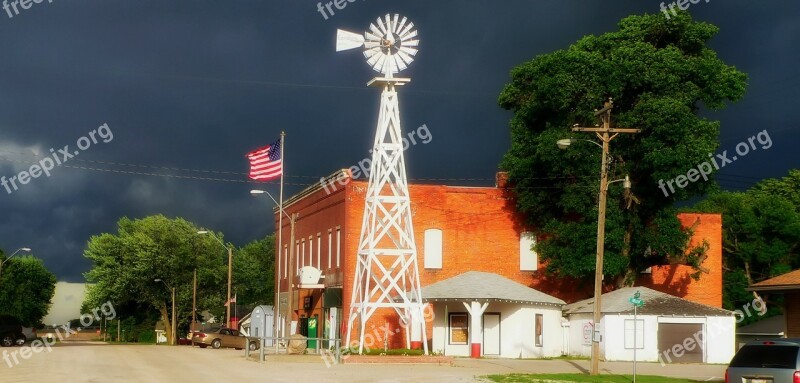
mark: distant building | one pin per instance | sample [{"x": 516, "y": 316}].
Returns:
[
  {"x": 789, "y": 286},
  {"x": 772, "y": 327},
  {"x": 457, "y": 230}
]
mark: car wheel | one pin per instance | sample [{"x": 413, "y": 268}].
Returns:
[
  {"x": 7, "y": 340},
  {"x": 21, "y": 340},
  {"x": 216, "y": 344},
  {"x": 253, "y": 346}
]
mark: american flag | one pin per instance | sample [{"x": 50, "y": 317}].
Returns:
[{"x": 266, "y": 163}]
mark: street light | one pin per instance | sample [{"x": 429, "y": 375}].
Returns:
[
  {"x": 172, "y": 341},
  {"x": 605, "y": 133},
  {"x": 26, "y": 249},
  {"x": 230, "y": 274}
]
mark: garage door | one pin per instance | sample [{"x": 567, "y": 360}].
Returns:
[{"x": 672, "y": 334}]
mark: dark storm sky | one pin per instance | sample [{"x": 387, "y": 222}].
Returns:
[{"x": 197, "y": 84}]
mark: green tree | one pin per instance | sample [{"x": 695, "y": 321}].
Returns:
[
  {"x": 787, "y": 187},
  {"x": 126, "y": 264},
  {"x": 660, "y": 73},
  {"x": 26, "y": 289},
  {"x": 254, "y": 272},
  {"x": 761, "y": 235}
]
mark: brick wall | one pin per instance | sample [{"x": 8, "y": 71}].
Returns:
[
  {"x": 676, "y": 280},
  {"x": 481, "y": 232}
]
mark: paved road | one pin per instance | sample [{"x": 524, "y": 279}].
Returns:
[{"x": 86, "y": 362}]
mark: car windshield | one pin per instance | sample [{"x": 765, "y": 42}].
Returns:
[{"x": 766, "y": 356}]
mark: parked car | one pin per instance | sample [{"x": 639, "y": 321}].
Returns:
[
  {"x": 224, "y": 337},
  {"x": 28, "y": 334},
  {"x": 766, "y": 361},
  {"x": 10, "y": 331}
]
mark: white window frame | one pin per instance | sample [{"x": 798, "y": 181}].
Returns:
[
  {"x": 528, "y": 259},
  {"x": 338, "y": 246},
  {"x": 629, "y": 334},
  {"x": 330, "y": 248},
  {"x": 434, "y": 247},
  {"x": 319, "y": 251},
  {"x": 285, "y": 261},
  {"x": 538, "y": 330},
  {"x": 311, "y": 250},
  {"x": 450, "y": 328}
]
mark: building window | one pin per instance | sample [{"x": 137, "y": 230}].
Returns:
[
  {"x": 528, "y": 259},
  {"x": 285, "y": 261},
  {"x": 319, "y": 251},
  {"x": 338, "y": 245},
  {"x": 459, "y": 328},
  {"x": 311, "y": 250},
  {"x": 539, "y": 330},
  {"x": 296, "y": 258},
  {"x": 330, "y": 247},
  {"x": 433, "y": 249},
  {"x": 638, "y": 333},
  {"x": 302, "y": 253}
]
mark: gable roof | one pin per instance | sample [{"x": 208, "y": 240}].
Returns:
[
  {"x": 773, "y": 326},
  {"x": 478, "y": 285},
  {"x": 788, "y": 281},
  {"x": 655, "y": 303}
]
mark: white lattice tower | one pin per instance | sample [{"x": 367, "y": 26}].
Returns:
[{"x": 387, "y": 272}]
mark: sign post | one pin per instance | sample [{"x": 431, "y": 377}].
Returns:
[{"x": 637, "y": 302}]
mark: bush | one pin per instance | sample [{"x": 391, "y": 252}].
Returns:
[{"x": 398, "y": 351}]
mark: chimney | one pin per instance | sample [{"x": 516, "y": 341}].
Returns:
[{"x": 501, "y": 180}]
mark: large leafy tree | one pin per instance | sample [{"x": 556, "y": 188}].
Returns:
[
  {"x": 126, "y": 265},
  {"x": 26, "y": 289},
  {"x": 660, "y": 74},
  {"x": 254, "y": 272},
  {"x": 787, "y": 187},
  {"x": 761, "y": 236}
]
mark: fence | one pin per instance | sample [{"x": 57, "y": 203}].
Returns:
[{"x": 277, "y": 341}]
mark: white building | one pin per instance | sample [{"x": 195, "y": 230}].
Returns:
[
  {"x": 667, "y": 329},
  {"x": 484, "y": 314}
]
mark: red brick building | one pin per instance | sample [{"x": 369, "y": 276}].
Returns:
[{"x": 457, "y": 229}]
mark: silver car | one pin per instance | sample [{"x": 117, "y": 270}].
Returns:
[{"x": 766, "y": 361}]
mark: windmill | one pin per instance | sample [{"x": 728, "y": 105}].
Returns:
[{"x": 387, "y": 275}]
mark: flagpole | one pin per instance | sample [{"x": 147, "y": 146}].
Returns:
[{"x": 276, "y": 306}]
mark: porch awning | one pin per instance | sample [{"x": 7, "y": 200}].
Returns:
[{"x": 482, "y": 286}]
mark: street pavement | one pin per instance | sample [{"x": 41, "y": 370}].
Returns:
[{"x": 98, "y": 362}]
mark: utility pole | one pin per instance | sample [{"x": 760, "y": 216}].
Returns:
[
  {"x": 605, "y": 133},
  {"x": 230, "y": 273},
  {"x": 194, "y": 300},
  {"x": 292, "y": 274},
  {"x": 174, "y": 327}
]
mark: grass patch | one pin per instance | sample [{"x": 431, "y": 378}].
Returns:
[
  {"x": 538, "y": 378},
  {"x": 399, "y": 351}
]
